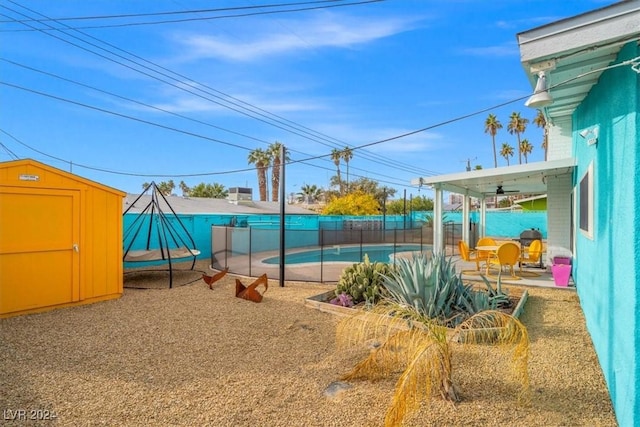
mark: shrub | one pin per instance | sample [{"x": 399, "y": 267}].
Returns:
[{"x": 363, "y": 281}]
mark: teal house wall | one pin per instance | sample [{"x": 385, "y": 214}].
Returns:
[
  {"x": 499, "y": 224},
  {"x": 606, "y": 263}
]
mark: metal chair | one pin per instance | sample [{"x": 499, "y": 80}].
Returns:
[
  {"x": 468, "y": 255},
  {"x": 507, "y": 255},
  {"x": 532, "y": 255},
  {"x": 485, "y": 255}
]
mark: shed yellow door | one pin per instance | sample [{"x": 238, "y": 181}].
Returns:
[{"x": 39, "y": 234}]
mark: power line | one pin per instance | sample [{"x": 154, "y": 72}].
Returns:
[
  {"x": 299, "y": 130},
  {"x": 122, "y": 115},
  {"x": 140, "y": 175},
  {"x": 433, "y": 126},
  {"x": 9, "y": 152},
  {"x": 178, "y": 12},
  {"x": 75, "y": 82},
  {"x": 131, "y": 24},
  {"x": 103, "y": 110}
]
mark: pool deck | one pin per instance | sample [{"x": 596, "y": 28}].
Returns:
[{"x": 330, "y": 272}]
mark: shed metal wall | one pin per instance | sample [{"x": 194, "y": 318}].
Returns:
[{"x": 62, "y": 211}]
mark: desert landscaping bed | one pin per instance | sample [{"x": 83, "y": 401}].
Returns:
[{"x": 195, "y": 356}]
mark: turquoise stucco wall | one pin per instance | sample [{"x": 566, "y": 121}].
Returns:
[
  {"x": 606, "y": 267},
  {"x": 499, "y": 224}
]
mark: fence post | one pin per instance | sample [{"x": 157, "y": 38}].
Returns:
[
  {"x": 321, "y": 255},
  {"x": 226, "y": 247},
  {"x": 250, "y": 255}
]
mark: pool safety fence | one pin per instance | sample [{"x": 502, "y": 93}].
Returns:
[{"x": 316, "y": 255}]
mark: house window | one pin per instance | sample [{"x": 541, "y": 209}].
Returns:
[{"x": 586, "y": 202}]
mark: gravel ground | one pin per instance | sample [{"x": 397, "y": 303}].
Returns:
[{"x": 191, "y": 356}]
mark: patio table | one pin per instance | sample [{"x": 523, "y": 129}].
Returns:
[{"x": 488, "y": 248}]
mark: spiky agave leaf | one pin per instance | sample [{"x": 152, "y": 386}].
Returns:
[
  {"x": 507, "y": 335},
  {"x": 428, "y": 371}
]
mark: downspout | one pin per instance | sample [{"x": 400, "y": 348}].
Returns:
[
  {"x": 438, "y": 239},
  {"x": 466, "y": 225},
  {"x": 483, "y": 217}
]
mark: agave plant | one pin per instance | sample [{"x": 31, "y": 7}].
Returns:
[{"x": 431, "y": 286}]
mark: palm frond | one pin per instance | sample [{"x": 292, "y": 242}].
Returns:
[
  {"x": 507, "y": 335},
  {"x": 384, "y": 360},
  {"x": 429, "y": 370}
]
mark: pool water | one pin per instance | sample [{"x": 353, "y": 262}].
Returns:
[{"x": 379, "y": 253}]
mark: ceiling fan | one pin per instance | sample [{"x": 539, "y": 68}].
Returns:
[{"x": 500, "y": 190}]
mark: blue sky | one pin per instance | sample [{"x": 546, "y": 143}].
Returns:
[{"x": 212, "y": 90}]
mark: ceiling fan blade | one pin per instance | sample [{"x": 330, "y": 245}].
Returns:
[{"x": 500, "y": 190}]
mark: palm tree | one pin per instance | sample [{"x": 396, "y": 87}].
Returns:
[
  {"x": 491, "y": 126},
  {"x": 274, "y": 154},
  {"x": 309, "y": 193},
  {"x": 336, "y": 156},
  {"x": 526, "y": 148},
  {"x": 185, "y": 189},
  {"x": 347, "y": 155},
  {"x": 260, "y": 158},
  {"x": 506, "y": 151},
  {"x": 541, "y": 122},
  {"x": 517, "y": 125}
]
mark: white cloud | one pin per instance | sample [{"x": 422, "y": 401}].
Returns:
[
  {"x": 505, "y": 49},
  {"x": 509, "y": 94},
  {"x": 326, "y": 30},
  {"x": 179, "y": 103},
  {"x": 526, "y": 22},
  {"x": 364, "y": 133}
]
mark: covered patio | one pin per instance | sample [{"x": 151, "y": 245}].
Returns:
[{"x": 553, "y": 178}]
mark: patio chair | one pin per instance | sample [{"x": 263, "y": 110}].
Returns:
[
  {"x": 532, "y": 255},
  {"x": 468, "y": 255},
  {"x": 507, "y": 255},
  {"x": 485, "y": 255}
]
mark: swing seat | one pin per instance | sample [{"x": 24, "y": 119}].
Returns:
[{"x": 160, "y": 254}]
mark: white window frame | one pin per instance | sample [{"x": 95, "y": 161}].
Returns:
[{"x": 588, "y": 175}]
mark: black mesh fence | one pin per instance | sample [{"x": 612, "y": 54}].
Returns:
[{"x": 320, "y": 255}]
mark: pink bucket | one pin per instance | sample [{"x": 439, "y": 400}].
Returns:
[{"x": 561, "y": 274}]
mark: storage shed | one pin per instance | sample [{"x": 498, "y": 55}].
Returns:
[{"x": 60, "y": 239}]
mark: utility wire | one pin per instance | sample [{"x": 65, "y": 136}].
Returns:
[
  {"x": 299, "y": 129},
  {"x": 122, "y": 115},
  {"x": 227, "y": 172},
  {"x": 436, "y": 125},
  {"x": 9, "y": 152},
  {"x": 175, "y": 12},
  {"x": 242, "y": 15},
  {"x": 162, "y": 110}
]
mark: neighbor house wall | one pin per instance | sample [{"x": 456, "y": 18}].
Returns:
[
  {"x": 558, "y": 208},
  {"x": 606, "y": 268}
]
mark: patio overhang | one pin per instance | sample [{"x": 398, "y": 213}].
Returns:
[
  {"x": 527, "y": 179},
  {"x": 575, "y": 52}
]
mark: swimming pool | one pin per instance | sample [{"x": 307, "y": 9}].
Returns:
[{"x": 380, "y": 253}]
